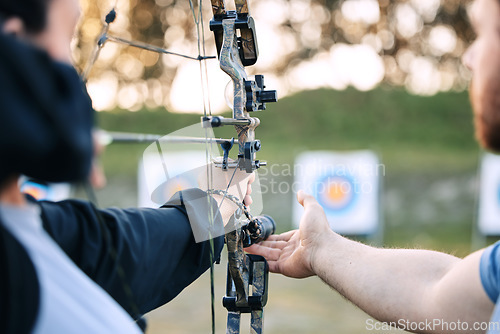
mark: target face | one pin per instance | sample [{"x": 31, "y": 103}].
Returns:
[
  {"x": 336, "y": 193},
  {"x": 345, "y": 184},
  {"x": 176, "y": 184},
  {"x": 36, "y": 190}
]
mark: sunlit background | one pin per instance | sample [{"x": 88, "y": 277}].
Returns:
[{"x": 304, "y": 44}]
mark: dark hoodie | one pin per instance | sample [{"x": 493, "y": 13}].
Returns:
[{"x": 46, "y": 116}]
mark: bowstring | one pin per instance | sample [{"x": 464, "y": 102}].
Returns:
[{"x": 207, "y": 111}]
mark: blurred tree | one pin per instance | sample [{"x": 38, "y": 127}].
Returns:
[{"x": 304, "y": 44}]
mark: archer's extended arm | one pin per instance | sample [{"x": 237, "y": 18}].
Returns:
[{"x": 154, "y": 247}]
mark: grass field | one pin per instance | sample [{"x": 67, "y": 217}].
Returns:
[
  {"x": 430, "y": 156},
  {"x": 411, "y": 133}
]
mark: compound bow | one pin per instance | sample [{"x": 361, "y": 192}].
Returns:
[{"x": 236, "y": 44}]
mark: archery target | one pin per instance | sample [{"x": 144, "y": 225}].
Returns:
[
  {"x": 169, "y": 166},
  {"x": 159, "y": 178},
  {"x": 176, "y": 184},
  {"x": 44, "y": 190},
  {"x": 489, "y": 195},
  {"x": 346, "y": 185}
]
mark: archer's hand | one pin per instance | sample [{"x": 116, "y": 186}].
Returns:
[
  {"x": 239, "y": 186},
  {"x": 292, "y": 253}
]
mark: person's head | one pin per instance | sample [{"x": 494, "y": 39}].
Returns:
[
  {"x": 483, "y": 59},
  {"x": 48, "y": 24},
  {"x": 46, "y": 115}
]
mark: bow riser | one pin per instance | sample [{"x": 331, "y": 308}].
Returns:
[{"x": 235, "y": 50}]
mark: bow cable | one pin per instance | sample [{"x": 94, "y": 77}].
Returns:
[{"x": 207, "y": 111}]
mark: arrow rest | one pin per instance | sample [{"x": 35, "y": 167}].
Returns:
[{"x": 226, "y": 147}]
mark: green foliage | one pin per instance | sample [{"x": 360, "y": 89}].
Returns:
[
  {"x": 298, "y": 33},
  {"x": 409, "y": 132}
]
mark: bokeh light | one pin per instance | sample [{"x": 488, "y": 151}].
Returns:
[{"x": 304, "y": 44}]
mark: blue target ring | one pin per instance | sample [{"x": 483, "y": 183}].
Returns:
[
  {"x": 336, "y": 192},
  {"x": 37, "y": 190}
]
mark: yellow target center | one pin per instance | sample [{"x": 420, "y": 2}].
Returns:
[{"x": 335, "y": 192}]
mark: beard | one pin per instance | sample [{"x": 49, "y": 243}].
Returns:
[{"x": 486, "y": 105}]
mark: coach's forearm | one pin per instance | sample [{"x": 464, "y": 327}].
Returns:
[{"x": 388, "y": 284}]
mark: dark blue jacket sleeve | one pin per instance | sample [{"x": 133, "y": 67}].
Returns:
[{"x": 154, "y": 248}]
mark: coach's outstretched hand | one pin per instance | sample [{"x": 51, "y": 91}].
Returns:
[{"x": 292, "y": 253}]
